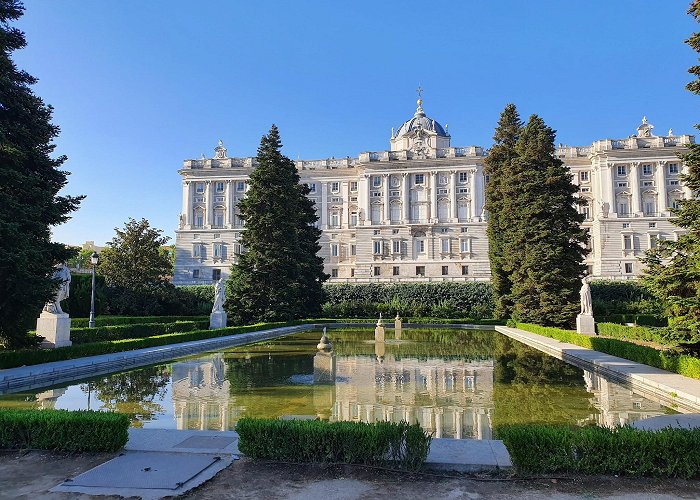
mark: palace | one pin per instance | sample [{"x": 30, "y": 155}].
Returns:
[{"x": 416, "y": 212}]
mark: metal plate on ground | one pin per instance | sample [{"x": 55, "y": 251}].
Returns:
[
  {"x": 145, "y": 471},
  {"x": 207, "y": 442}
]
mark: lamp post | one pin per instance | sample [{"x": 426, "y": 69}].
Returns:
[{"x": 93, "y": 261}]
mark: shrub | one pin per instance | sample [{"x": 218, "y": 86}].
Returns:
[
  {"x": 623, "y": 297},
  {"x": 380, "y": 443},
  {"x": 664, "y": 336},
  {"x": 666, "y": 360},
  {"x": 544, "y": 449},
  {"x": 137, "y": 331},
  {"x": 63, "y": 430}
]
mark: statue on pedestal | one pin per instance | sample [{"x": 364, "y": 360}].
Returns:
[
  {"x": 61, "y": 273},
  {"x": 218, "y": 318},
  {"x": 53, "y": 324},
  {"x": 585, "y": 324},
  {"x": 586, "y": 301}
]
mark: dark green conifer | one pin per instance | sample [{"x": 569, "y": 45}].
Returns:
[
  {"x": 30, "y": 180},
  {"x": 279, "y": 275}
]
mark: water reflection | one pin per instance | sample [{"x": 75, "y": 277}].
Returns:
[{"x": 458, "y": 384}]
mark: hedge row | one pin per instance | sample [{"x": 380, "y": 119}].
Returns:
[
  {"x": 666, "y": 360},
  {"x": 637, "y": 319},
  {"x": 381, "y": 443},
  {"x": 546, "y": 449},
  {"x": 663, "y": 336},
  {"x": 12, "y": 359},
  {"x": 137, "y": 331},
  {"x": 132, "y": 320},
  {"x": 62, "y": 430}
]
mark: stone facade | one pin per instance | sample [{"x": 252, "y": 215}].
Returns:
[{"x": 416, "y": 212}]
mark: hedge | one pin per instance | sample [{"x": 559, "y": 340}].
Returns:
[
  {"x": 546, "y": 449},
  {"x": 382, "y": 443},
  {"x": 637, "y": 319},
  {"x": 132, "y": 320},
  {"x": 666, "y": 360},
  {"x": 63, "y": 430},
  {"x": 22, "y": 357},
  {"x": 119, "y": 332}
]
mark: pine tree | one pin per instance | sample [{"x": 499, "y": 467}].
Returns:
[
  {"x": 279, "y": 275},
  {"x": 497, "y": 168},
  {"x": 673, "y": 268},
  {"x": 544, "y": 248},
  {"x": 30, "y": 180}
]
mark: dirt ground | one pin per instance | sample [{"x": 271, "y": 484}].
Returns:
[{"x": 30, "y": 476}]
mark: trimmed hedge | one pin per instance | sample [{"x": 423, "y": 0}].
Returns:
[
  {"x": 637, "y": 319},
  {"x": 63, "y": 430},
  {"x": 138, "y": 331},
  {"x": 22, "y": 357},
  {"x": 380, "y": 443},
  {"x": 546, "y": 449},
  {"x": 666, "y": 360},
  {"x": 132, "y": 320}
]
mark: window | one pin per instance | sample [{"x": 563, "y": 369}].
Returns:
[
  {"x": 621, "y": 170},
  {"x": 442, "y": 191},
  {"x": 312, "y": 187},
  {"x": 649, "y": 207},
  {"x": 335, "y": 220},
  {"x": 334, "y": 250},
  {"x": 627, "y": 242},
  {"x": 377, "y": 232},
  {"x": 199, "y": 218},
  {"x": 377, "y": 271},
  {"x": 216, "y": 274},
  {"x": 395, "y": 271},
  {"x": 487, "y": 179},
  {"x": 465, "y": 270},
  {"x": 652, "y": 225},
  {"x": 586, "y": 211},
  {"x": 647, "y": 170},
  {"x": 420, "y": 246},
  {"x": 583, "y": 176},
  {"x": 420, "y": 270},
  {"x": 462, "y": 190},
  {"x": 352, "y": 272},
  {"x": 445, "y": 270},
  {"x": 625, "y": 225},
  {"x": 353, "y": 250},
  {"x": 219, "y": 250},
  {"x": 334, "y": 273},
  {"x": 220, "y": 198},
  {"x": 335, "y": 187},
  {"x": 377, "y": 247},
  {"x": 653, "y": 241},
  {"x": 376, "y": 194},
  {"x": 445, "y": 246},
  {"x": 464, "y": 230},
  {"x": 623, "y": 208},
  {"x": 465, "y": 245},
  {"x": 396, "y": 246},
  {"x": 585, "y": 190},
  {"x": 622, "y": 184},
  {"x": 195, "y": 273},
  {"x": 353, "y": 219},
  {"x": 444, "y": 229},
  {"x": 353, "y": 186},
  {"x": 219, "y": 187},
  {"x": 647, "y": 183},
  {"x": 376, "y": 181},
  {"x": 419, "y": 179},
  {"x": 463, "y": 177},
  {"x": 197, "y": 250},
  {"x": 219, "y": 218},
  {"x": 394, "y": 231},
  {"x": 673, "y": 168},
  {"x": 675, "y": 183},
  {"x": 628, "y": 267},
  {"x": 240, "y": 186},
  {"x": 199, "y": 187}
]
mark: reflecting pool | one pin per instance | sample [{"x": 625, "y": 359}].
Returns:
[{"x": 455, "y": 383}]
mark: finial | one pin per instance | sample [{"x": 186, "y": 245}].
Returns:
[
  {"x": 670, "y": 132},
  {"x": 419, "y": 91},
  {"x": 644, "y": 120}
]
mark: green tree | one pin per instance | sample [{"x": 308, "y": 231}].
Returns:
[
  {"x": 82, "y": 260},
  {"x": 134, "y": 259},
  {"x": 497, "y": 168},
  {"x": 673, "y": 269},
  {"x": 544, "y": 247},
  {"x": 30, "y": 180},
  {"x": 279, "y": 276}
]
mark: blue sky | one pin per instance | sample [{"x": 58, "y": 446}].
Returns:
[{"x": 139, "y": 86}]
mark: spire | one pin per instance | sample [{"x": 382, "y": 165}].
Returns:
[{"x": 419, "y": 102}]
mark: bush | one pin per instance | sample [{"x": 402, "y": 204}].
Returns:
[
  {"x": 63, "y": 430},
  {"x": 132, "y": 320},
  {"x": 638, "y": 319},
  {"x": 380, "y": 443},
  {"x": 663, "y": 336},
  {"x": 138, "y": 331},
  {"x": 545, "y": 449},
  {"x": 666, "y": 360},
  {"x": 623, "y": 297}
]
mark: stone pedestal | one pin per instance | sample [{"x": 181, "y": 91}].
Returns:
[
  {"x": 379, "y": 333},
  {"x": 217, "y": 319},
  {"x": 397, "y": 328},
  {"x": 55, "y": 328},
  {"x": 585, "y": 324},
  {"x": 324, "y": 368}
]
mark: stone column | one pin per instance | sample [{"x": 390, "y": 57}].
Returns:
[
  {"x": 479, "y": 194},
  {"x": 324, "y": 205},
  {"x": 433, "y": 196},
  {"x": 345, "y": 216},
  {"x": 385, "y": 185},
  {"x": 406, "y": 193},
  {"x": 229, "y": 212},
  {"x": 634, "y": 185},
  {"x": 368, "y": 200},
  {"x": 453, "y": 195},
  {"x": 209, "y": 216},
  {"x": 661, "y": 188},
  {"x": 187, "y": 202},
  {"x": 473, "y": 195},
  {"x": 687, "y": 192}
]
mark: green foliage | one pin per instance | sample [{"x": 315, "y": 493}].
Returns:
[
  {"x": 198, "y": 299},
  {"x": 663, "y": 336},
  {"x": 30, "y": 181},
  {"x": 81, "y": 260},
  {"x": 62, "y": 430},
  {"x": 78, "y": 303},
  {"x": 611, "y": 297},
  {"x": 666, "y": 360},
  {"x": 547, "y": 449},
  {"x": 673, "y": 268},
  {"x": 316, "y": 441},
  {"x": 279, "y": 276},
  {"x": 136, "y": 331},
  {"x": 132, "y": 320}
]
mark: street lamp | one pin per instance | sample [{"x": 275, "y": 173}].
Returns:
[{"x": 93, "y": 261}]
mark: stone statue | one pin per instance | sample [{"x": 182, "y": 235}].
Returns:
[
  {"x": 63, "y": 274},
  {"x": 219, "y": 296},
  {"x": 586, "y": 302}
]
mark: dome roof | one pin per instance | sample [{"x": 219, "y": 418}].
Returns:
[{"x": 421, "y": 121}]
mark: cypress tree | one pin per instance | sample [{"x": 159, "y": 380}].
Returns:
[
  {"x": 544, "y": 247},
  {"x": 30, "y": 180},
  {"x": 673, "y": 268},
  {"x": 279, "y": 276},
  {"x": 497, "y": 168}
]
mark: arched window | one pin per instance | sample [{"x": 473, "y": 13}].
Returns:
[
  {"x": 376, "y": 213},
  {"x": 464, "y": 210},
  {"x": 649, "y": 203},
  {"x": 219, "y": 216},
  {"x": 623, "y": 204},
  {"x": 198, "y": 217},
  {"x": 395, "y": 211},
  {"x": 443, "y": 211}
]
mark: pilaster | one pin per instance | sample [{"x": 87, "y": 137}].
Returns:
[
  {"x": 636, "y": 202},
  {"x": 385, "y": 189},
  {"x": 661, "y": 188}
]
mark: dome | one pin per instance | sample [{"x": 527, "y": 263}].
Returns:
[{"x": 420, "y": 121}]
